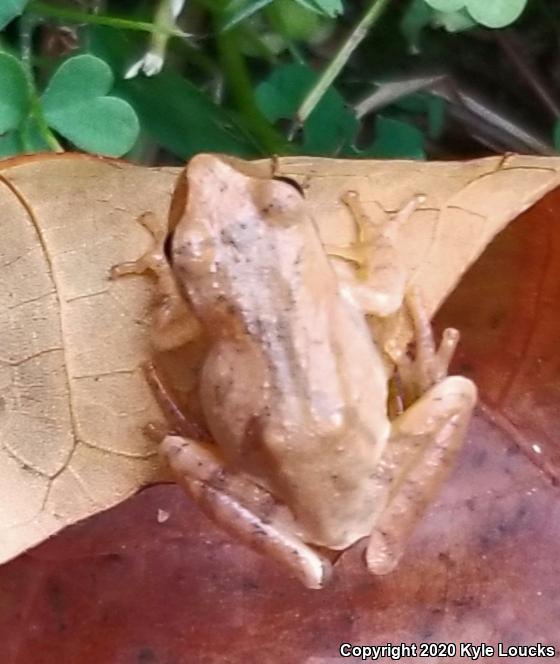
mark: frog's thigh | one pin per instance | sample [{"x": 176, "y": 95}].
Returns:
[
  {"x": 424, "y": 443},
  {"x": 224, "y": 497}
]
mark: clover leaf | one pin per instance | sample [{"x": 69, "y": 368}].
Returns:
[
  {"x": 330, "y": 8},
  {"x": 490, "y": 13},
  {"x": 14, "y": 93},
  {"x": 495, "y": 14},
  {"x": 332, "y": 124},
  {"x": 77, "y": 106},
  {"x": 446, "y": 5},
  {"x": 9, "y": 9}
]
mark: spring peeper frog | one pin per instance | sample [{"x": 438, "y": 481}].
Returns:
[{"x": 304, "y": 460}]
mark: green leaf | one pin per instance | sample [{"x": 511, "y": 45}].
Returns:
[
  {"x": 9, "y": 9},
  {"x": 495, "y": 13},
  {"x": 10, "y": 144},
  {"x": 448, "y": 5},
  {"x": 32, "y": 138},
  {"x": 330, "y": 8},
  {"x": 25, "y": 140},
  {"x": 332, "y": 124},
  {"x": 415, "y": 19},
  {"x": 396, "y": 139},
  {"x": 192, "y": 122},
  {"x": 299, "y": 22},
  {"x": 309, "y": 4},
  {"x": 455, "y": 21},
  {"x": 238, "y": 10},
  {"x": 76, "y": 104},
  {"x": 436, "y": 110},
  {"x": 432, "y": 106},
  {"x": 14, "y": 93}
]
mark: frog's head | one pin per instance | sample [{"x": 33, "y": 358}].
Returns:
[
  {"x": 219, "y": 189},
  {"x": 217, "y": 195}
]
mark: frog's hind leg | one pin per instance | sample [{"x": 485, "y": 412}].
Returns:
[
  {"x": 419, "y": 456},
  {"x": 424, "y": 442},
  {"x": 242, "y": 508},
  {"x": 232, "y": 500},
  {"x": 430, "y": 364}
]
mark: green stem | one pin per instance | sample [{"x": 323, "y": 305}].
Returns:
[
  {"x": 241, "y": 87},
  {"x": 28, "y": 24},
  {"x": 316, "y": 93},
  {"x": 164, "y": 21},
  {"x": 42, "y": 126},
  {"x": 62, "y": 13}
]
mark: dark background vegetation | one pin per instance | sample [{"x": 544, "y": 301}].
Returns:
[{"x": 423, "y": 83}]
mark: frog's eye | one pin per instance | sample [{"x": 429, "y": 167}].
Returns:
[
  {"x": 178, "y": 201},
  {"x": 292, "y": 183},
  {"x": 168, "y": 247}
]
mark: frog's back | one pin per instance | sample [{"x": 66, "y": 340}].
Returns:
[
  {"x": 302, "y": 389},
  {"x": 330, "y": 434},
  {"x": 321, "y": 406}
]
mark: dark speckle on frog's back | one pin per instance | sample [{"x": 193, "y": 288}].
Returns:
[{"x": 267, "y": 277}]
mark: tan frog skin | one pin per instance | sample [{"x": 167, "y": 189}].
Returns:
[{"x": 303, "y": 458}]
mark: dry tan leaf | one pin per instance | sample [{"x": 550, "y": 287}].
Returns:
[
  {"x": 73, "y": 393},
  {"x": 73, "y": 397}
]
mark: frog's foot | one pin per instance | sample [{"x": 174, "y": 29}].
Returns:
[
  {"x": 242, "y": 508},
  {"x": 174, "y": 323},
  {"x": 372, "y": 274},
  {"x": 430, "y": 364},
  {"x": 154, "y": 260},
  {"x": 423, "y": 445}
]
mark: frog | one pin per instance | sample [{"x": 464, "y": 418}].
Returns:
[{"x": 302, "y": 459}]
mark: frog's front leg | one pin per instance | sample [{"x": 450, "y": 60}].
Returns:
[
  {"x": 372, "y": 273},
  {"x": 174, "y": 323},
  {"x": 242, "y": 508},
  {"x": 424, "y": 441}
]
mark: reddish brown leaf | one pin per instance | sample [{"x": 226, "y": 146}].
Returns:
[{"x": 124, "y": 587}]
